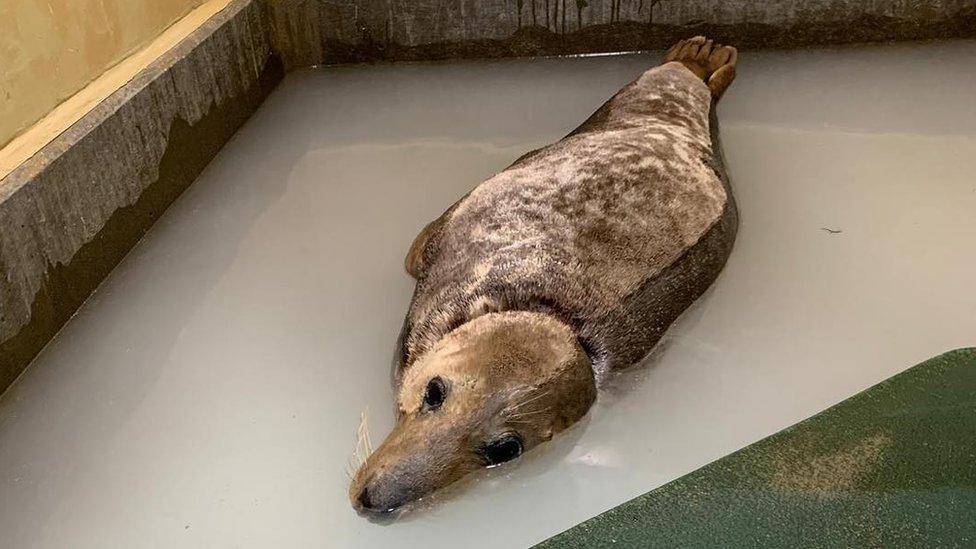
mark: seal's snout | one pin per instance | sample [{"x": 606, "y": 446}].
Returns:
[
  {"x": 405, "y": 467},
  {"x": 366, "y": 504},
  {"x": 384, "y": 492},
  {"x": 369, "y": 500},
  {"x": 363, "y": 501}
]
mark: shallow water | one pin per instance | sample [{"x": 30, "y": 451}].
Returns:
[{"x": 208, "y": 394}]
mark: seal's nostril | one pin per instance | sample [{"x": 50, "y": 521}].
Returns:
[{"x": 364, "y": 499}]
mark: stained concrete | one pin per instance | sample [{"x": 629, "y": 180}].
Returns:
[
  {"x": 894, "y": 466},
  {"x": 209, "y": 392},
  {"x": 310, "y": 32},
  {"x": 70, "y": 213}
]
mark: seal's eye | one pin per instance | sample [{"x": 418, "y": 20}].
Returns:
[
  {"x": 504, "y": 449},
  {"x": 435, "y": 393}
]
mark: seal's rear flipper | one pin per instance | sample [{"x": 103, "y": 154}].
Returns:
[
  {"x": 722, "y": 78},
  {"x": 713, "y": 63}
]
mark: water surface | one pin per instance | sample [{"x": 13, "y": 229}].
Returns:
[{"x": 209, "y": 393}]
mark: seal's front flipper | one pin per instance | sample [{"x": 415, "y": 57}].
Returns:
[
  {"x": 417, "y": 257},
  {"x": 414, "y": 261}
]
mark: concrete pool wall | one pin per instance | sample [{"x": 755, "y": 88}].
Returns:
[
  {"x": 328, "y": 31},
  {"x": 73, "y": 209}
]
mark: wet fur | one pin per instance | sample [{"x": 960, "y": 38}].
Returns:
[
  {"x": 567, "y": 265},
  {"x": 615, "y": 229},
  {"x": 504, "y": 372}
]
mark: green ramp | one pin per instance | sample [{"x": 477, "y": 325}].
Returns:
[{"x": 894, "y": 466}]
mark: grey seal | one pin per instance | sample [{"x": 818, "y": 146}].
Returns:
[{"x": 562, "y": 268}]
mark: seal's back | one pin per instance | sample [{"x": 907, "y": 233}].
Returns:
[{"x": 615, "y": 229}]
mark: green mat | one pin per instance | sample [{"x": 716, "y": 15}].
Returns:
[{"x": 894, "y": 466}]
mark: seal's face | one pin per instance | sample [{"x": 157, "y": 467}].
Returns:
[{"x": 495, "y": 387}]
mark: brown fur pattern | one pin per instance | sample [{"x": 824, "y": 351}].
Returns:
[
  {"x": 570, "y": 263},
  {"x": 577, "y": 228},
  {"x": 513, "y": 372}
]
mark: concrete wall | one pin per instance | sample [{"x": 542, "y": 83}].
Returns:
[
  {"x": 72, "y": 211},
  {"x": 51, "y": 49},
  {"x": 325, "y": 31}
]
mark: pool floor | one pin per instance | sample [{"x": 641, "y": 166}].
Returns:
[{"x": 209, "y": 393}]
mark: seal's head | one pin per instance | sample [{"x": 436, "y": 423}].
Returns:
[{"x": 491, "y": 389}]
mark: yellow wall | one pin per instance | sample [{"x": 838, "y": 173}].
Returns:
[{"x": 50, "y": 49}]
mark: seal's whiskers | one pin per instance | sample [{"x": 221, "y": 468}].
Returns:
[
  {"x": 363, "y": 448},
  {"x": 529, "y": 401},
  {"x": 529, "y": 413}
]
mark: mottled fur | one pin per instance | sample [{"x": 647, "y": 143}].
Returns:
[
  {"x": 570, "y": 263},
  {"x": 504, "y": 372},
  {"x": 578, "y": 228}
]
